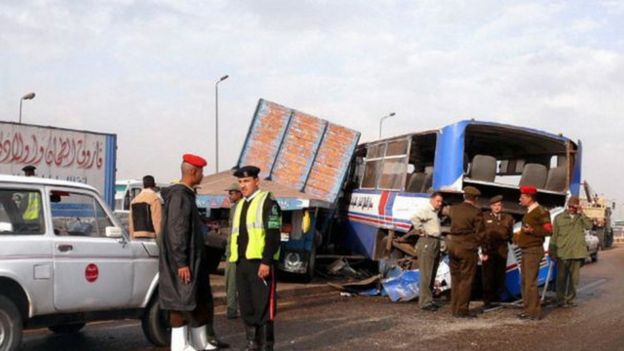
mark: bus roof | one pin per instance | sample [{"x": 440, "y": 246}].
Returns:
[{"x": 462, "y": 125}]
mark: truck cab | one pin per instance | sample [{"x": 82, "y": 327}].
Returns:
[{"x": 65, "y": 260}]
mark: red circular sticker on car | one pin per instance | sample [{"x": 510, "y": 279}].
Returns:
[{"x": 92, "y": 272}]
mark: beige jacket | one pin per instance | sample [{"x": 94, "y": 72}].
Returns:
[{"x": 150, "y": 197}]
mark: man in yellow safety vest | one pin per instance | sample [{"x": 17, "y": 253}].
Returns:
[{"x": 254, "y": 247}]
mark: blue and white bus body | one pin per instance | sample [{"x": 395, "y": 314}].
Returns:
[{"x": 373, "y": 212}]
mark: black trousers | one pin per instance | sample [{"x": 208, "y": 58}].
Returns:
[
  {"x": 256, "y": 297},
  {"x": 493, "y": 276}
]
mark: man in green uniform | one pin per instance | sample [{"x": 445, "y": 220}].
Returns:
[
  {"x": 535, "y": 227},
  {"x": 463, "y": 244},
  {"x": 567, "y": 246},
  {"x": 498, "y": 228},
  {"x": 234, "y": 195},
  {"x": 254, "y": 247},
  {"x": 427, "y": 223}
]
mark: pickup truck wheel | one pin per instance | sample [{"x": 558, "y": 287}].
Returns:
[
  {"x": 10, "y": 325},
  {"x": 155, "y": 324},
  {"x": 66, "y": 328}
]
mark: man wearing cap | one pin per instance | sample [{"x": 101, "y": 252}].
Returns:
[
  {"x": 145, "y": 212},
  {"x": 184, "y": 286},
  {"x": 530, "y": 239},
  {"x": 254, "y": 247},
  {"x": 498, "y": 228},
  {"x": 234, "y": 195},
  {"x": 427, "y": 222},
  {"x": 29, "y": 171},
  {"x": 568, "y": 247},
  {"x": 32, "y": 206},
  {"x": 463, "y": 244}
]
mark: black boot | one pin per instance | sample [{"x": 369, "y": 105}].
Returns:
[
  {"x": 252, "y": 338},
  {"x": 267, "y": 337}
]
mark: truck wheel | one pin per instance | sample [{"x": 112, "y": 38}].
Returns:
[
  {"x": 66, "y": 328},
  {"x": 155, "y": 324},
  {"x": 10, "y": 325}
]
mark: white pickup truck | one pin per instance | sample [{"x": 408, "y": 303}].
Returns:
[{"x": 66, "y": 260}]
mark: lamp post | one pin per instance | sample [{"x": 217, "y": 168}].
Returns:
[
  {"x": 382, "y": 119},
  {"x": 28, "y": 96},
  {"x": 217, "y": 121}
]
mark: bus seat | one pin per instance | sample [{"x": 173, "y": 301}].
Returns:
[
  {"x": 556, "y": 180},
  {"x": 416, "y": 182},
  {"x": 428, "y": 183},
  {"x": 483, "y": 168},
  {"x": 534, "y": 174}
]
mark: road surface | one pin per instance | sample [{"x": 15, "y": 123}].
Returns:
[{"x": 330, "y": 322}]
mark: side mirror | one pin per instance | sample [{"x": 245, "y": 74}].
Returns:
[{"x": 113, "y": 232}]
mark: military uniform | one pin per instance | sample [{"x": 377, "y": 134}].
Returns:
[
  {"x": 255, "y": 240},
  {"x": 532, "y": 246},
  {"x": 568, "y": 246},
  {"x": 497, "y": 232},
  {"x": 463, "y": 243}
]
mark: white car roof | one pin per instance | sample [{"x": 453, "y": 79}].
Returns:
[{"x": 43, "y": 181}]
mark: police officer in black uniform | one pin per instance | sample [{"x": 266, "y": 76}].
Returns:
[{"x": 254, "y": 246}]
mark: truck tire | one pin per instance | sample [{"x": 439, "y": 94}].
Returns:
[
  {"x": 155, "y": 324},
  {"x": 66, "y": 328},
  {"x": 10, "y": 325}
]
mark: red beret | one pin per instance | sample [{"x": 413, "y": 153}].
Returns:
[
  {"x": 194, "y": 160},
  {"x": 529, "y": 190}
]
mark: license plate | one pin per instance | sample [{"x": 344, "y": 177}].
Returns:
[{"x": 285, "y": 237}]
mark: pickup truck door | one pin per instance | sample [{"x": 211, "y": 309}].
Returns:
[{"x": 91, "y": 271}]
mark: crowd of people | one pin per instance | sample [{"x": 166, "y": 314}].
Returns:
[
  {"x": 475, "y": 235},
  {"x": 253, "y": 244}
]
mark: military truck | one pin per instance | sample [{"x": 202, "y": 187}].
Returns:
[{"x": 598, "y": 208}]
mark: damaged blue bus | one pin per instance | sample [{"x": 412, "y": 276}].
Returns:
[{"x": 390, "y": 178}]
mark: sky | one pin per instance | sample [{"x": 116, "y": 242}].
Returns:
[{"x": 146, "y": 71}]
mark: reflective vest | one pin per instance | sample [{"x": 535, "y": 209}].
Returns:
[
  {"x": 255, "y": 229},
  {"x": 34, "y": 206}
]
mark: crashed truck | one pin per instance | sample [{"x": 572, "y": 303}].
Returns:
[
  {"x": 389, "y": 178},
  {"x": 304, "y": 162}
]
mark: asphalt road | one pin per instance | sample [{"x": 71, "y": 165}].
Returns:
[{"x": 330, "y": 322}]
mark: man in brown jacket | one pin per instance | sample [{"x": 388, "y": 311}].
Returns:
[
  {"x": 498, "y": 228},
  {"x": 535, "y": 227},
  {"x": 463, "y": 244},
  {"x": 145, "y": 212}
]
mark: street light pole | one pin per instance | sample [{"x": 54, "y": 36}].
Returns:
[
  {"x": 382, "y": 119},
  {"x": 217, "y": 121},
  {"x": 28, "y": 96}
]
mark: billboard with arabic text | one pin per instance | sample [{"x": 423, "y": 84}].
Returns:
[{"x": 63, "y": 154}]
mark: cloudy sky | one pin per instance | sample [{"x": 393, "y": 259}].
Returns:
[{"x": 146, "y": 70}]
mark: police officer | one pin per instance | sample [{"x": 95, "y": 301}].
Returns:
[
  {"x": 29, "y": 171},
  {"x": 498, "y": 228},
  {"x": 32, "y": 205},
  {"x": 234, "y": 196},
  {"x": 536, "y": 226},
  {"x": 254, "y": 246},
  {"x": 463, "y": 243}
]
